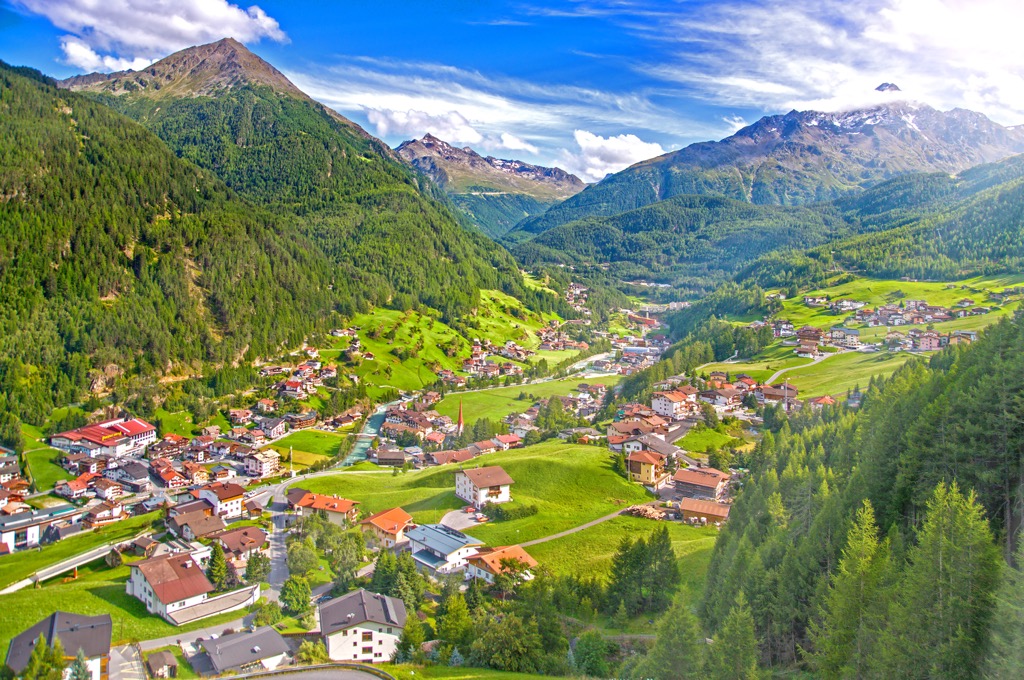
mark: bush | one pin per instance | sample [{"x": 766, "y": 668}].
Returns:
[{"x": 501, "y": 513}]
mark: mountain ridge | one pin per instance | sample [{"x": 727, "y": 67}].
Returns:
[{"x": 800, "y": 157}]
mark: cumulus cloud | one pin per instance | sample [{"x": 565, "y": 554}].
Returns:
[
  {"x": 451, "y": 126},
  {"x": 735, "y": 123},
  {"x": 115, "y": 34},
  {"x": 598, "y": 156},
  {"x": 512, "y": 143},
  {"x": 778, "y": 55}
]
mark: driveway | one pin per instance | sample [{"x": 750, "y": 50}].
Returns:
[
  {"x": 459, "y": 520},
  {"x": 126, "y": 664}
]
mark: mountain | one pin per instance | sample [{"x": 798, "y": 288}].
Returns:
[
  {"x": 800, "y": 157},
  {"x": 118, "y": 257},
  {"x": 228, "y": 111},
  {"x": 496, "y": 193}
]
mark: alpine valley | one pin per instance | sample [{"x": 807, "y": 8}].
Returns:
[{"x": 752, "y": 408}]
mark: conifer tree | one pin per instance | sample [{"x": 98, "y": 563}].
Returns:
[
  {"x": 80, "y": 668},
  {"x": 1006, "y": 660},
  {"x": 734, "y": 653},
  {"x": 218, "y": 569},
  {"x": 852, "y": 614},
  {"x": 678, "y": 651}
]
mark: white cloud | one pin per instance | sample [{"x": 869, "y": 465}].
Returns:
[
  {"x": 778, "y": 55},
  {"x": 597, "y": 156},
  {"x": 512, "y": 143},
  {"x": 112, "y": 34},
  {"x": 451, "y": 126},
  {"x": 735, "y": 123}
]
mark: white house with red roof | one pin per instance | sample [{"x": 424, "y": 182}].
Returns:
[
  {"x": 118, "y": 437},
  {"x": 226, "y": 498},
  {"x": 480, "y": 486}
]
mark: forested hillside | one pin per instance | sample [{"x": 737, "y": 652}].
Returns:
[
  {"x": 868, "y": 543},
  {"x": 115, "y": 253},
  {"x": 693, "y": 242},
  {"x": 353, "y": 198}
]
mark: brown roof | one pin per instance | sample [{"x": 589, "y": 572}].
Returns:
[
  {"x": 225, "y": 491},
  {"x": 445, "y": 457},
  {"x": 390, "y": 521},
  {"x": 648, "y": 457},
  {"x": 200, "y": 523},
  {"x": 242, "y": 540},
  {"x": 174, "y": 578},
  {"x": 704, "y": 507},
  {"x": 488, "y": 476},
  {"x": 490, "y": 559},
  {"x": 709, "y": 477}
]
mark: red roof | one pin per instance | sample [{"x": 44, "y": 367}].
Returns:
[
  {"x": 648, "y": 457},
  {"x": 326, "y": 503},
  {"x": 390, "y": 521},
  {"x": 707, "y": 477},
  {"x": 508, "y": 438}
]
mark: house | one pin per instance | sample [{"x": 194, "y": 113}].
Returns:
[
  {"x": 704, "y": 511},
  {"x": 195, "y": 473},
  {"x": 445, "y": 457},
  {"x": 361, "y": 626},
  {"x": 441, "y": 549},
  {"x": 298, "y": 421},
  {"x": 508, "y": 441},
  {"x": 705, "y": 483},
  {"x": 480, "y": 448},
  {"x": 674, "y": 404},
  {"x": 390, "y": 457},
  {"x": 243, "y": 543},
  {"x": 75, "y": 488},
  {"x": 265, "y": 463},
  {"x": 240, "y": 416},
  {"x": 292, "y": 389},
  {"x": 387, "y": 527},
  {"x": 162, "y": 665},
  {"x": 646, "y": 467},
  {"x": 226, "y": 498},
  {"x": 266, "y": 405},
  {"x": 223, "y": 472},
  {"x": 274, "y": 427},
  {"x": 105, "y": 513},
  {"x": 171, "y": 478},
  {"x": 489, "y": 562},
  {"x": 340, "y": 511},
  {"x": 818, "y": 403},
  {"x": 193, "y": 525},
  {"x": 133, "y": 475},
  {"x": 168, "y": 583},
  {"x": 480, "y": 486},
  {"x": 88, "y": 634},
  {"x": 248, "y": 651}
]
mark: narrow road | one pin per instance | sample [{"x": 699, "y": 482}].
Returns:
[
  {"x": 569, "y": 532},
  {"x": 818, "y": 360}
]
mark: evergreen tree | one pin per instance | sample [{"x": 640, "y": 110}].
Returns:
[
  {"x": 413, "y": 637},
  {"x": 257, "y": 569},
  {"x": 456, "y": 659},
  {"x": 79, "y": 668},
  {"x": 508, "y": 643},
  {"x": 218, "y": 569},
  {"x": 938, "y": 624},
  {"x": 455, "y": 626},
  {"x": 678, "y": 651},
  {"x": 591, "y": 655},
  {"x": 734, "y": 653},
  {"x": 852, "y": 614},
  {"x": 1006, "y": 661},
  {"x": 45, "y": 662},
  {"x": 385, "y": 571}
]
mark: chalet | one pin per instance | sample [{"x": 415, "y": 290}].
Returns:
[
  {"x": 195, "y": 473},
  {"x": 703, "y": 511},
  {"x": 171, "y": 478},
  {"x": 226, "y": 498},
  {"x": 810, "y": 333},
  {"x": 819, "y": 403},
  {"x": 728, "y": 397},
  {"x": 481, "y": 486},
  {"x": 240, "y": 416},
  {"x": 676, "y": 403},
  {"x": 361, "y": 626},
  {"x": 273, "y": 427},
  {"x": 704, "y": 483},
  {"x": 647, "y": 468},
  {"x": 441, "y": 549},
  {"x": 387, "y": 527},
  {"x": 445, "y": 457},
  {"x": 194, "y": 525},
  {"x": 263, "y": 649},
  {"x": 107, "y": 489},
  {"x": 266, "y": 405},
  {"x": 103, "y": 514},
  {"x": 89, "y": 635},
  {"x": 480, "y": 448},
  {"x": 75, "y": 488},
  {"x": 340, "y": 511},
  {"x": 198, "y": 505},
  {"x": 168, "y": 583},
  {"x": 390, "y": 457},
  {"x": 489, "y": 562},
  {"x": 504, "y": 442},
  {"x": 243, "y": 543}
]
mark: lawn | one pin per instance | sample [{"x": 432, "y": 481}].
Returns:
[
  {"x": 497, "y": 403},
  {"x": 22, "y": 564},
  {"x": 704, "y": 439},
  {"x": 179, "y": 422},
  {"x": 570, "y": 485},
  {"x": 185, "y": 671},
  {"x": 97, "y": 591},
  {"x": 45, "y": 472},
  {"x": 409, "y": 672},
  {"x": 311, "y": 441},
  {"x": 763, "y": 366},
  {"x": 590, "y": 551},
  {"x": 843, "y": 372}
]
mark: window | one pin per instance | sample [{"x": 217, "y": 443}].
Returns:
[
  {"x": 367, "y": 637},
  {"x": 389, "y": 630},
  {"x": 367, "y": 650},
  {"x": 344, "y": 632}
]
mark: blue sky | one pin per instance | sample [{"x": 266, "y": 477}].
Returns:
[{"x": 590, "y": 85}]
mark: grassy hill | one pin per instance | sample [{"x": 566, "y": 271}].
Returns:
[
  {"x": 497, "y": 403},
  {"x": 569, "y": 484}
]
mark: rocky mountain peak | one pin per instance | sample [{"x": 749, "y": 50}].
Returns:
[{"x": 888, "y": 87}]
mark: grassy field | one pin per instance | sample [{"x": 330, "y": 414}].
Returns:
[
  {"x": 704, "y": 439},
  {"x": 501, "y": 401},
  {"x": 569, "y": 484},
  {"x": 761, "y": 367},
  {"x": 590, "y": 551},
  {"x": 45, "y": 472},
  {"x": 22, "y": 564},
  {"x": 179, "y": 422},
  {"x": 840, "y": 373},
  {"x": 308, "y": 447},
  {"x": 98, "y": 590},
  {"x": 409, "y": 672}
]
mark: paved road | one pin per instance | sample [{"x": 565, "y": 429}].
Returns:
[
  {"x": 817, "y": 360},
  {"x": 459, "y": 520},
  {"x": 569, "y": 532},
  {"x": 150, "y": 645},
  {"x": 126, "y": 664}
]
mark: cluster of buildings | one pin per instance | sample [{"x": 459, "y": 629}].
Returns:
[
  {"x": 553, "y": 338},
  {"x": 303, "y": 380}
]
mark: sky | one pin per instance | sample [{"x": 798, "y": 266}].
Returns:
[{"x": 588, "y": 85}]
